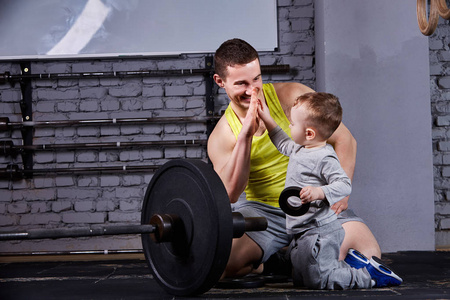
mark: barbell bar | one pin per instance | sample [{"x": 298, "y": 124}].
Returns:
[
  {"x": 15, "y": 172},
  {"x": 187, "y": 227},
  {"x": 161, "y": 228},
  {"x": 6, "y": 124},
  {"x": 8, "y": 148},
  {"x": 12, "y": 78}
]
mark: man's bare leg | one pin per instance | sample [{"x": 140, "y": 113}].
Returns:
[
  {"x": 244, "y": 254},
  {"x": 359, "y": 237}
]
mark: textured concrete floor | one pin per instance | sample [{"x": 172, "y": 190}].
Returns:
[{"x": 426, "y": 276}]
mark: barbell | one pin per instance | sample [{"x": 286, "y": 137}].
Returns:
[{"x": 187, "y": 227}]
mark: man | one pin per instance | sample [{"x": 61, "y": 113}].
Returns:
[{"x": 246, "y": 160}]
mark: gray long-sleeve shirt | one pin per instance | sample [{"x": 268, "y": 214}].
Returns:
[{"x": 312, "y": 167}]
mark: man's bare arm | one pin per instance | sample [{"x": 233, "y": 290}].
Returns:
[
  {"x": 231, "y": 158},
  {"x": 345, "y": 146}
]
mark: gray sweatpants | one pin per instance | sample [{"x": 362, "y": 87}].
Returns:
[
  {"x": 275, "y": 237},
  {"x": 315, "y": 260}
]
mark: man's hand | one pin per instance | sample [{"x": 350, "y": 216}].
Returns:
[
  {"x": 311, "y": 193},
  {"x": 340, "y": 206},
  {"x": 251, "y": 121}
]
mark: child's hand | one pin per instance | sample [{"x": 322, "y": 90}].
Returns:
[
  {"x": 263, "y": 110},
  {"x": 311, "y": 193}
]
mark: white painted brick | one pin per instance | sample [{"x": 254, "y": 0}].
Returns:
[
  {"x": 444, "y": 82},
  {"x": 128, "y": 192},
  {"x": 77, "y": 193},
  {"x": 60, "y": 206},
  {"x": 65, "y": 157},
  {"x": 44, "y": 157},
  {"x": 131, "y": 104},
  {"x": 105, "y": 205},
  {"x": 64, "y": 181},
  {"x": 109, "y": 180},
  {"x": 89, "y": 105},
  {"x": 130, "y": 180},
  {"x": 88, "y": 82},
  {"x": 88, "y": 131},
  {"x": 110, "y": 104},
  {"x": 84, "y": 206},
  {"x": 108, "y": 157},
  {"x": 39, "y": 207},
  {"x": 67, "y": 106},
  {"x": 445, "y": 224},
  {"x": 153, "y": 91},
  {"x": 152, "y": 153},
  {"x": 87, "y": 181},
  {"x": 110, "y": 130},
  {"x": 174, "y": 153},
  {"x": 130, "y": 205},
  {"x": 301, "y": 12},
  {"x": 44, "y": 182},
  {"x": 10, "y": 95},
  {"x": 174, "y": 103},
  {"x": 84, "y": 217},
  {"x": 8, "y": 220},
  {"x": 194, "y": 153},
  {"x": 129, "y": 130},
  {"x": 86, "y": 157},
  {"x": 39, "y": 219},
  {"x": 33, "y": 194},
  {"x": 131, "y": 155},
  {"x": 152, "y": 129},
  {"x": 18, "y": 208},
  {"x": 127, "y": 90},
  {"x": 126, "y": 217}
]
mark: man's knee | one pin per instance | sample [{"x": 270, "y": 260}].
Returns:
[
  {"x": 245, "y": 253},
  {"x": 358, "y": 236}
]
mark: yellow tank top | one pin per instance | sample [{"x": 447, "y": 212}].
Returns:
[{"x": 267, "y": 165}]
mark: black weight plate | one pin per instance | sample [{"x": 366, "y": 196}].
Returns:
[
  {"x": 195, "y": 259},
  {"x": 292, "y": 191},
  {"x": 241, "y": 283}
]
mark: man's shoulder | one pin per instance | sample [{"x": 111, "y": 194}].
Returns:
[{"x": 289, "y": 91}]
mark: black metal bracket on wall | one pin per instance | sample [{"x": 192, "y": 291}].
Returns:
[
  {"x": 27, "y": 115},
  {"x": 211, "y": 91}
]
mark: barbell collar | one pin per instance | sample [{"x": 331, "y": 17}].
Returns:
[{"x": 243, "y": 224}]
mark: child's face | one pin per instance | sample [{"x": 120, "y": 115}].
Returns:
[{"x": 298, "y": 124}]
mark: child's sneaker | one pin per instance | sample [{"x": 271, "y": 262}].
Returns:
[
  {"x": 356, "y": 259},
  {"x": 382, "y": 275}
]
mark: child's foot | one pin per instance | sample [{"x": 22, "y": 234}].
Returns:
[
  {"x": 381, "y": 274},
  {"x": 356, "y": 259}
]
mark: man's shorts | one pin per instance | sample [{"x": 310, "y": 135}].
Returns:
[{"x": 275, "y": 237}]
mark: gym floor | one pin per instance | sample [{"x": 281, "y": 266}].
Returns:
[{"x": 426, "y": 275}]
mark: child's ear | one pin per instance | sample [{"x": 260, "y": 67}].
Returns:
[{"x": 310, "y": 134}]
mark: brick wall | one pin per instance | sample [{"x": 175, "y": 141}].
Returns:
[
  {"x": 440, "y": 108},
  {"x": 87, "y": 199}
]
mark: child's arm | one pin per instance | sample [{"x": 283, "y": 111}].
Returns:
[
  {"x": 264, "y": 114},
  {"x": 278, "y": 137},
  {"x": 311, "y": 193},
  {"x": 339, "y": 185}
]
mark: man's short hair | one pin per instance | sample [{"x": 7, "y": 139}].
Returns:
[{"x": 233, "y": 52}]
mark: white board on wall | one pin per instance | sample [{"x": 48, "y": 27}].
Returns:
[{"x": 48, "y": 29}]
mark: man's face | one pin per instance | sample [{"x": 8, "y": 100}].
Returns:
[{"x": 240, "y": 81}]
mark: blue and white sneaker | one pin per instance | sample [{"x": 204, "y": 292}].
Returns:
[
  {"x": 356, "y": 259},
  {"x": 381, "y": 274}
]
